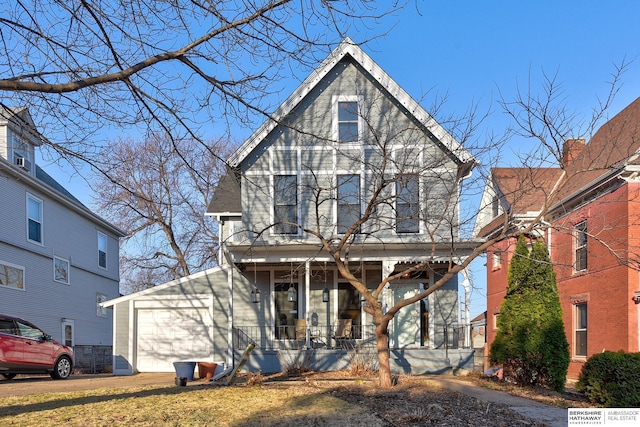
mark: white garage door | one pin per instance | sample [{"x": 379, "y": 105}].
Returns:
[{"x": 167, "y": 335}]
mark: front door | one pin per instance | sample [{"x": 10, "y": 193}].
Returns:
[
  {"x": 406, "y": 323},
  {"x": 67, "y": 332},
  {"x": 286, "y": 310}
]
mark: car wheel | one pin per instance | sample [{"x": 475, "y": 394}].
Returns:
[
  {"x": 9, "y": 376},
  {"x": 62, "y": 369}
]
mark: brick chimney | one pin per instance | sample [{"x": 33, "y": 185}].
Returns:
[{"x": 571, "y": 149}]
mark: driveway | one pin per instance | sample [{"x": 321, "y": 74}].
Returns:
[{"x": 23, "y": 384}]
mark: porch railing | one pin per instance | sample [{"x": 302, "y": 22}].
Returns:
[
  {"x": 316, "y": 337},
  {"x": 287, "y": 337}
]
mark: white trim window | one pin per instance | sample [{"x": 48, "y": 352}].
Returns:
[
  {"x": 497, "y": 260},
  {"x": 285, "y": 209},
  {"x": 67, "y": 332},
  {"x": 100, "y": 310},
  {"x": 102, "y": 250},
  {"x": 580, "y": 246},
  {"x": 34, "y": 219},
  {"x": 348, "y": 201},
  {"x": 61, "y": 270},
  {"x": 11, "y": 275},
  {"x": 580, "y": 330},
  {"x": 22, "y": 152},
  {"x": 408, "y": 203},
  {"x": 347, "y": 123}
]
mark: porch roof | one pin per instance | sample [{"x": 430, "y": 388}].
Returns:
[{"x": 296, "y": 251}]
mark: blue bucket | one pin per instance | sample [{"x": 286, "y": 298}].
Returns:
[{"x": 185, "y": 369}]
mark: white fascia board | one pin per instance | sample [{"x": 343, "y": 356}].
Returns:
[
  {"x": 348, "y": 47},
  {"x": 145, "y": 292},
  {"x": 61, "y": 198}
]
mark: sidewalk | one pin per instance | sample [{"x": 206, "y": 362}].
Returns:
[{"x": 549, "y": 415}]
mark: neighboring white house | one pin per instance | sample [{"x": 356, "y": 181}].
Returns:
[
  {"x": 315, "y": 165},
  {"x": 58, "y": 260}
]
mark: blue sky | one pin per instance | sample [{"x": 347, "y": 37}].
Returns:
[{"x": 474, "y": 49}]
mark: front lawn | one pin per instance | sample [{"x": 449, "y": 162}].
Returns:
[{"x": 311, "y": 401}]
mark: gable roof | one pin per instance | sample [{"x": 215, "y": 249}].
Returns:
[
  {"x": 162, "y": 287},
  {"x": 614, "y": 147},
  {"x": 20, "y": 118},
  {"x": 226, "y": 197},
  {"x": 348, "y": 47},
  {"x": 521, "y": 192},
  {"x": 41, "y": 180}
]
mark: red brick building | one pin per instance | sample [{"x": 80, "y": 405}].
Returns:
[{"x": 588, "y": 212}]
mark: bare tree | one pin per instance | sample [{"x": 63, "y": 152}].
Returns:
[
  {"x": 403, "y": 184},
  {"x": 88, "y": 68},
  {"x": 157, "y": 190}
]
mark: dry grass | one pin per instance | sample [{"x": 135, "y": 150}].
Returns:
[
  {"x": 569, "y": 399},
  {"x": 184, "y": 406},
  {"x": 320, "y": 399}
]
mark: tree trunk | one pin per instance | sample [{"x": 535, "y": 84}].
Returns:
[{"x": 382, "y": 341}]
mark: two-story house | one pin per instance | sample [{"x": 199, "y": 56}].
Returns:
[
  {"x": 590, "y": 226},
  {"x": 58, "y": 259},
  {"x": 349, "y": 153}
]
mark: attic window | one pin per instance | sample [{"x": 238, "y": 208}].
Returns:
[
  {"x": 346, "y": 119},
  {"x": 495, "y": 206}
]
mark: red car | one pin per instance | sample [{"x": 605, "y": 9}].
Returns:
[{"x": 25, "y": 349}]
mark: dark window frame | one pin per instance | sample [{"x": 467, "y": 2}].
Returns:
[
  {"x": 580, "y": 329},
  {"x": 348, "y": 194},
  {"x": 580, "y": 246},
  {"x": 408, "y": 204},
  {"x": 285, "y": 206}
]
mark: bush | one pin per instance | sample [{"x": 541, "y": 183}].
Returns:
[
  {"x": 530, "y": 343},
  {"x": 611, "y": 379}
]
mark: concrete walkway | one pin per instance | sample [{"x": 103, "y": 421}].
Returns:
[{"x": 549, "y": 415}]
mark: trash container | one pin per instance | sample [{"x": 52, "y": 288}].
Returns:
[{"x": 185, "y": 369}]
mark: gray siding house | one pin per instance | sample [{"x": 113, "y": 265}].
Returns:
[
  {"x": 348, "y": 142},
  {"x": 58, "y": 260}
]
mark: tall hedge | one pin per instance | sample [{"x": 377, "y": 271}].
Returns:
[{"x": 530, "y": 343}]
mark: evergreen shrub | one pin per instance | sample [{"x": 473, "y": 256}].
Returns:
[{"x": 611, "y": 379}]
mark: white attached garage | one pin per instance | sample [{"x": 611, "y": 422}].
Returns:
[
  {"x": 183, "y": 320},
  {"x": 165, "y": 335}
]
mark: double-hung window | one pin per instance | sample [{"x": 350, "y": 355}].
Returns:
[
  {"x": 61, "y": 270},
  {"x": 581, "y": 246},
  {"x": 11, "y": 276},
  {"x": 100, "y": 310},
  {"x": 34, "y": 219},
  {"x": 102, "y": 250},
  {"x": 580, "y": 322},
  {"x": 346, "y": 118},
  {"x": 286, "y": 204},
  {"x": 407, "y": 204},
  {"x": 348, "y": 195}
]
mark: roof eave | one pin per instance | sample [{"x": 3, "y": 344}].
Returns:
[{"x": 348, "y": 47}]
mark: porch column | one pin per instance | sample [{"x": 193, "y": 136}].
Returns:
[
  {"x": 467, "y": 310},
  {"x": 230, "y": 357},
  {"x": 388, "y": 266},
  {"x": 307, "y": 285}
]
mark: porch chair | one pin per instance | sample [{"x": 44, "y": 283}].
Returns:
[
  {"x": 301, "y": 329},
  {"x": 342, "y": 332}
]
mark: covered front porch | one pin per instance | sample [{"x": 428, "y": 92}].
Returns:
[
  {"x": 310, "y": 305},
  {"x": 312, "y": 353}
]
